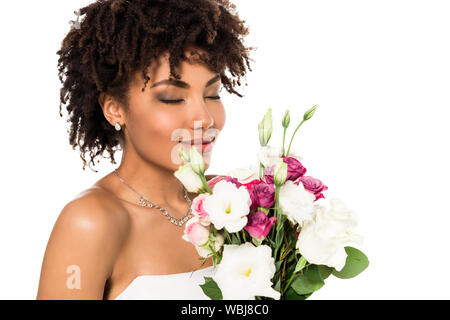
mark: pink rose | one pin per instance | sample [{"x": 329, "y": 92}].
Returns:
[
  {"x": 259, "y": 224},
  {"x": 195, "y": 233},
  {"x": 313, "y": 185},
  {"x": 198, "y": 211},
  {"x": 295, "y": 168},
  {"x": 262, "y": 195}
]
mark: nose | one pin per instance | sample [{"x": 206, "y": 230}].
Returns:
[{"x": 201, "y": 117}]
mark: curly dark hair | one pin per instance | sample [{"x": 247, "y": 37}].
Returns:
[{"x": 117, "y": 38}]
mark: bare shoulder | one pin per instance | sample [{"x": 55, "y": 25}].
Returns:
[
  {"x": 98, "y": 207},
  {"x": 87, "y": 237}
]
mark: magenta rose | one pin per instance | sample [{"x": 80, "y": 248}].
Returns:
[
  {"x": 313, "y": 185},
  {"x": 259, "y": 224},
  {"x": 233, "y": 180},
  {"x": 251, "y": 184},
  {"x": 262, "y": 195},
  {"x": 294, "y": 168},
  {"x": 268, "y": 175},
  {"x": 250, "y": 187}
]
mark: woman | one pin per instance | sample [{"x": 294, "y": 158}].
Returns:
[{"x": 145, "y": 76}]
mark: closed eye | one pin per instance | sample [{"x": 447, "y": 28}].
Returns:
[{"x": 181, "y": 100}]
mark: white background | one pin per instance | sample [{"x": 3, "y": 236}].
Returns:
[{"x": 380, "y": 73}]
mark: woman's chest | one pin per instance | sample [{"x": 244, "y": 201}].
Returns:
[{"x": 153, "y": 246}]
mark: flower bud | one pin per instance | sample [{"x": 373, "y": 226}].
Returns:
[
  {"x": 265, "y": 128},
  {"x": 280, "y": 172},
  {"x": 308, "y": 114},
  {"x": 286, "y": 120},
  {"x": 183, "y": 155},
  {"x": 196, "y": 161}
]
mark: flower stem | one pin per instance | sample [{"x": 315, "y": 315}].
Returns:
[
  {"x": 205, "y": 184},
  {"x": 287, "y": 154},
  {"x": 289, "y": 282},
  {"x": 284, "y": 136}
]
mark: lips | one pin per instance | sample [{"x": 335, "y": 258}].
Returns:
[{"x": 203, "y": 142}]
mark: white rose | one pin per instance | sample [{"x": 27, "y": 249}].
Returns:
[
  {"x": 189, "y": 178},
  {"x": 244, "y": 175},
  {"x": 322, "y": 240},
  {"x": 245, "y": 271},
  {"x": 228, "y": 206},
  {"x": 296, "y": 202}
]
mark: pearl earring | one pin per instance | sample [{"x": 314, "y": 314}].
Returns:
[{"x": 117, "y": 126}]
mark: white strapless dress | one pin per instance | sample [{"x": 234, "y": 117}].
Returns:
[{"x": 177, "y": 286}]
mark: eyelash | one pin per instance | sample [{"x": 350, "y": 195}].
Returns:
[{"x": 178, "y": 101}]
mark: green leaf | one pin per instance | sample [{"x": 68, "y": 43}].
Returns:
[
  {"x": 325, "y": 271},
  {"x": 312, "y": 273},
  {"x": 278, "y": 285},
  {"x": 278, "y": 264},
  {"x": 234, "y": 239},
  {"x": 290, "y": 269},
  {"x": 300, "y": 264},
  {"x": 304, "y": 285},
  {"x": 292, "y": 295},
  {"x": 355, "y": 263},
  {"x": 211, "y": 289}
]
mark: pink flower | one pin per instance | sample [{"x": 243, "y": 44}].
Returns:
[
  {"x": 251, "y": 184},
  {"x": 233, "y": 180},
  {"x": 262, "y": 195},
  {"x": 295, "y": 168},
  {"x": 198, "y": 211},
  {"x": 259, "y": 224},
  {"x": 195, "y": 233},
  {"x": 313, "y": 185},
  {"x": 214, "y": 180}
]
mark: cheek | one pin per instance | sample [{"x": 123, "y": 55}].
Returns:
[
  {"x": 151, "y": 134},
  {"x": 219, "y": 117}
]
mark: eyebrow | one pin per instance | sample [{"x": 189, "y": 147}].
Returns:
[{"x": 182, "y": 84}]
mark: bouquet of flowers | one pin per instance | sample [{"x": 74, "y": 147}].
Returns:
[{"x": 268, "y": 231}]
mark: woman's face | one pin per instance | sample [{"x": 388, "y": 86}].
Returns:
[{"x": 166, "y": 113}]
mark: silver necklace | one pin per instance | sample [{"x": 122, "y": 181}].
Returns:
[{"x": 147, "y": 203}]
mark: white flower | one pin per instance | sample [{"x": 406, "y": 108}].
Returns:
[
  {"x": 228, "y": 206},
  {"x": 189, "y": 178},
  {"x": 322, "y": 240},
  {"x": 269, "y": 155},
  {"x": 296, "y": 202},
  {"x": 204, "y": 251},
  {"x": 245, "y": 271},
  {"x": 244, "y": 175}
]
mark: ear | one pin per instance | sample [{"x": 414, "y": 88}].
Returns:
[{"x": 112, "y": 110}]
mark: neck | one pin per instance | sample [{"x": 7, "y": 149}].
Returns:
[{"x": 156, "y": 183}]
